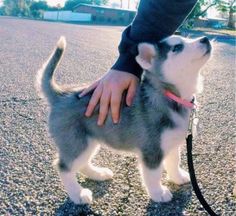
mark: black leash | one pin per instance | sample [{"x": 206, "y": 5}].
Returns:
[{"x": 196, "y": 188}]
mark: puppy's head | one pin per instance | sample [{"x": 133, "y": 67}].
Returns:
[{"x": 176, "y": 60}]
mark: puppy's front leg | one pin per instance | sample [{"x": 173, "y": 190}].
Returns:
[
  {"x": 76, "y": 192},
  {"x": 172, "y": 166},
  {"x": 152, "y": 181}
]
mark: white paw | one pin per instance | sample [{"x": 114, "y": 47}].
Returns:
[
  {"x": 86, "y": 196},
  {"x": 81, "y": 197},
  {"x": 104, "y": 174},
  {"x": 234, "y": 191},
  {"x": 161, "y": 194},
  {"x": 182, "y": 177}
]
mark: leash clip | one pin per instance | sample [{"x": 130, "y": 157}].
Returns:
[{"x": 193, "y": 125}]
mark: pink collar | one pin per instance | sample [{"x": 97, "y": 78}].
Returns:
[{"x": 180, "y": 100}]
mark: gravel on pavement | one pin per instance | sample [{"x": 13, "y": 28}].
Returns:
[{"x": 29, "y": 183}]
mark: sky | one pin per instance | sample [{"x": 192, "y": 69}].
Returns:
[{"x": 125, "y": 3}]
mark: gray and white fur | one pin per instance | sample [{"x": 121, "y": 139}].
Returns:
[{"x": 153, "y": 128}]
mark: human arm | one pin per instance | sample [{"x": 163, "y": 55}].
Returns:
[{"x": 155, "y": 20}]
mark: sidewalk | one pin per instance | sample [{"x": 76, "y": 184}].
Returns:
[{"x": 210, "y": 32}]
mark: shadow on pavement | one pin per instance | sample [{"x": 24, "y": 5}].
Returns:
[
  {"x": 181, "y": 198},
  {"x": 99, "y": 189},
  {"x": 69, "y": 208}
]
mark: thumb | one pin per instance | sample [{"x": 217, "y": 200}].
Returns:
[
  {"x": 131, "y": 93},
  {"x": 90, "y": 88}
]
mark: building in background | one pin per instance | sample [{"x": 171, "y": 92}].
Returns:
[
  {"x": 106, "y": 15},
  {"x": 67, "y": 16}
]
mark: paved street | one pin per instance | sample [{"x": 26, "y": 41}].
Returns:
[{"x": 29, "y": 184}]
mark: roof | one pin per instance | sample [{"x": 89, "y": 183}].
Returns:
[{"x": 103, "y": 7}]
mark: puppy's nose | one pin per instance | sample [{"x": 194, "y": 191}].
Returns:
[{"x": 204, "y": 40}]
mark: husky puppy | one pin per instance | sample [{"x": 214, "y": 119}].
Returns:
[{"x": 154, "y": 127}]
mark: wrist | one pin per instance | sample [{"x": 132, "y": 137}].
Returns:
[{"x": 127, "y": 63}]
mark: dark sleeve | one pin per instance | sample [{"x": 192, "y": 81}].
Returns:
[{"x": 155, "y": 20}]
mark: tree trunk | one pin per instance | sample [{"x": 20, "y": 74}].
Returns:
[
  {"x": 121, "y": 3},
  {"x": 231, "y": 22}
]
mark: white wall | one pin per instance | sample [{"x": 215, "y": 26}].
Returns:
[{"x": 67, "y": 16}]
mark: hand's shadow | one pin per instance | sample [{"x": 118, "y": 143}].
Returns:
[{"x": 181, "y": 197}]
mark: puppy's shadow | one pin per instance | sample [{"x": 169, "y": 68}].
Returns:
[
  {"x": 69, "y": 208},
  {"x": 181, "y": 197}
]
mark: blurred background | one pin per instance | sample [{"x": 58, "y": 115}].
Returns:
[{"x": 207, "y": 13}]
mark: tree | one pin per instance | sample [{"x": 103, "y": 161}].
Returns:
[
  {"x": 121, "y": 3},
  {"x": 70, "y": 4},
  {"x": 232, "y": 10},
  {"x": 2, "y": 10},
  {"x": 11, "y": 7},
  {"x": 202, "y": 6},
  {"x": 229, "y": 7},
  {"x": 16, "y": 7},
  {"x": 136, "y": 2},
  {"x": 36, "y": 8}
]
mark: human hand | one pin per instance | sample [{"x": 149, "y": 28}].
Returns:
[{"x": 108, "y": 91}]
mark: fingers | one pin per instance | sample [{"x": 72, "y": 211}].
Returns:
[
  {"x": 94, "y": 101},
  {"x": 105, "y": 97},
  {"x": 104, "y": 107},
  {"x": 115, "y": 106},
  {"x": 90, "y": 88},
  {"x": 131, "y": 93},
  {"x": 108, "y": 92}
]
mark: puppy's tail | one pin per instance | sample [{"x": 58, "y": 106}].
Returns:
[{"x": 45, "y": 83}]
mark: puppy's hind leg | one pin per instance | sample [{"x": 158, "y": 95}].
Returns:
[
  {"x": 75, "y": 159},
  {"x": 94, "y": 172}
]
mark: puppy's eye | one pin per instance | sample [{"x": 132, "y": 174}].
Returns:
[{"x": 178, "y": 48}]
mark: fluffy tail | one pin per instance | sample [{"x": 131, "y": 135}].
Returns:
[{"x": 45, "y": 82}]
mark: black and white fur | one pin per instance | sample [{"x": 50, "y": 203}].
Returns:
[{"x": 154, "y": 127}]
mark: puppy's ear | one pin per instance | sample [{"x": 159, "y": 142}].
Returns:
[{"x": 146, "y": 52}]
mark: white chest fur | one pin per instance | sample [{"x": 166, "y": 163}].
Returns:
[{"x": 175, "y": 137}]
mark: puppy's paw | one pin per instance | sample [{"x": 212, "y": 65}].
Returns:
[
  {"x": 234, "y": 190},
  {"x": 106, "y": 173},
  {"x": 161, "y": 194},
  {"x": 84, "y": 196},
  {"x": 182, "y": 177},
  {"x": 103, "y": 174}
]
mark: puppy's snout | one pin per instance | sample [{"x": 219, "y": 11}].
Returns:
[{"x": 204, "y": 40}]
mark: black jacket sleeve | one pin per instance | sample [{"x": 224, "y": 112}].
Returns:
[{"x": 155, "y": 20}]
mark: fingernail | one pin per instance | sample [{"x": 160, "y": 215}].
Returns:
[
  {"x": 115, "y": 121},
  {"x": 87, "y": 114}
]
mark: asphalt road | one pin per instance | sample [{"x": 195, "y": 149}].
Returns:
[{"x": 29, "y": 183}]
